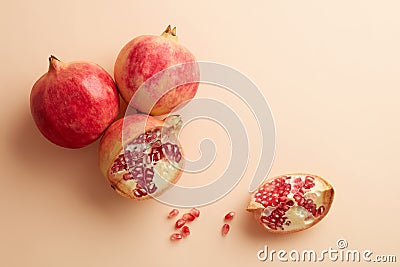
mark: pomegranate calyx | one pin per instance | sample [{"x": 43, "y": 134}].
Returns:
[
  {"x": 170, "y": 33},
  {"x": 55, "y": 64},
  {"x": 255, "y": 207}
]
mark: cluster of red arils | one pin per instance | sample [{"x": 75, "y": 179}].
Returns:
[
  {"x": 183, "y": 230},
  {"x": 180, "y": 224}
]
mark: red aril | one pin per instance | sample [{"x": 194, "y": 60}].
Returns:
[
  {"x": 195, "y": 212},
  {"x": 175, "y": 237},
  {"x": 173, "y": 213},
  {"x": 144, "y": 57},
  {"x": 188, "y": 217},
  {"x": 141, "y": 156},
  {"x": 73, "y": 103},
  {"x": 229, "y": 216},
  {"x": 225, "y": 229},
  {"x": 291, "y": 203},
  {"x": 185, "y": 231},
  {"x": 179, "y": 223}
]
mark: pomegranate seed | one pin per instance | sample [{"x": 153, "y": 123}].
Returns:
[
  {"x": 225, "y": 229},
  {"x": 176, "y": 236},
  {"x": 230, "y": 215},
  {"x": 173, "y": 213},
  {"x": 195, "y": 212},
  {"x": 185, "y": 231},
  {"x": 179, "y": 223},
  {"x": 290, "y": 203},
  {"x": 188, "y": 217},
  {"x": 320, "y": 210}
]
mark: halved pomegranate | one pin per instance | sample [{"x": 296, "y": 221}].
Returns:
[
  {"x": 291, "y": 203},
  {"x": 141, "y": 156}
]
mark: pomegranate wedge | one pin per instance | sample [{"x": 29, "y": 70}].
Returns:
[{"x": 291, "y": 203}]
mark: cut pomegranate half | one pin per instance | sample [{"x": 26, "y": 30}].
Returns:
[{"x": 150, "y": 159}]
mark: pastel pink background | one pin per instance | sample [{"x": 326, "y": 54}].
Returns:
[{"x": 329, "y": 69}]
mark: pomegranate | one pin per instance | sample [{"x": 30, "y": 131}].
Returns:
[
  {"x": 141, "y": 156},
  {"x": 291, "y": 203},
  {"x": 73, "y": 103},
  {"x": 147, "y": 55}
]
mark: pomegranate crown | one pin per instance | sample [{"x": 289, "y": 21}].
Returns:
[
  {"x": 170, "y": 33},
  {"x": 55, "y": 64}
]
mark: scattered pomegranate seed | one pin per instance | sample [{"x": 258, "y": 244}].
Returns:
[
  {"x": 179, "y": 223},
  {"x": 176, "y": 236},
  {"x": 225, "y": 229},
  {"x": 229, "y": 216},
  {"x": 188, "y": 217},
  {"x": 173, "y": 213},
  {"x": 195, "y": 212},
  {"x": 185, "y": 231}
]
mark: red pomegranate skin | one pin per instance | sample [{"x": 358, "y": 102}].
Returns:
[
  {"x": 73, "y": 103},
  {"x": 145, "y": 56}
]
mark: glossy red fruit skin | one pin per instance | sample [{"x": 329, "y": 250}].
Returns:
[
  {"x": 326, "y": 199},
  {"x": 147, "y": 55},
  {"x": 73, "y": 103}
]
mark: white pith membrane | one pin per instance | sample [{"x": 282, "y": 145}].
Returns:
[
  {"x": 292, "y": 202},
  {"x": 149, "y": 163}
]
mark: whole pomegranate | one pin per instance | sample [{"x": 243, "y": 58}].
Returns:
[
  {"x": 141, "y": 156},
  {"x": 291, "y": 203},
  {"x": 73, "y": 103},
  {"x": 144, "y": 57}
]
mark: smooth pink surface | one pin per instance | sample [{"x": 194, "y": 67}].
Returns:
[{"x": 329, "y": 69}]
